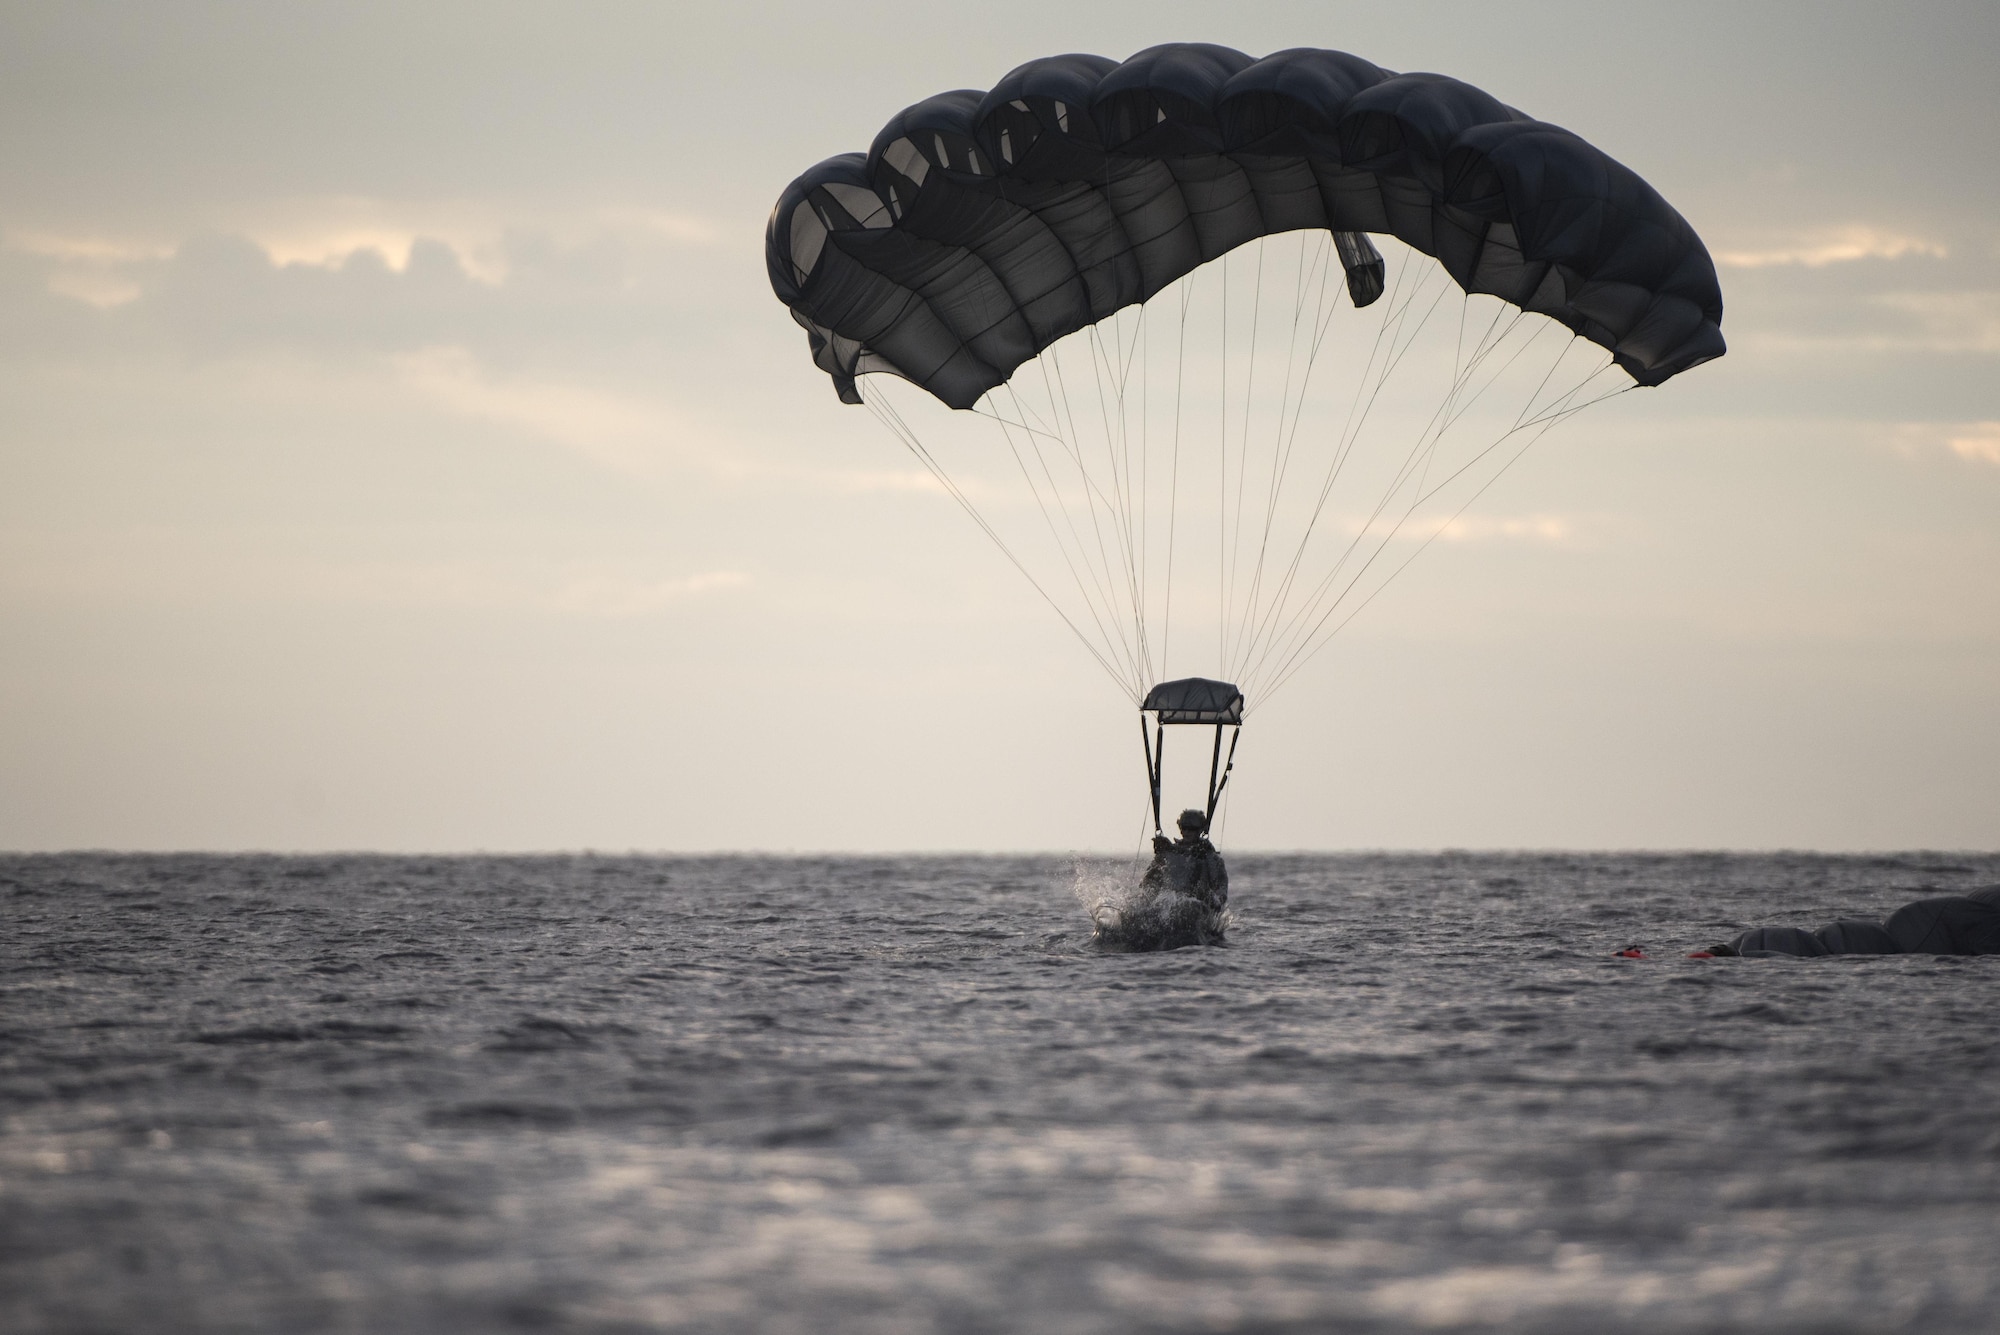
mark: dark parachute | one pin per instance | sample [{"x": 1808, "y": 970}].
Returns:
[
  {"x": 982, "y": 227},
  {"x": 1967, "y": 924}
]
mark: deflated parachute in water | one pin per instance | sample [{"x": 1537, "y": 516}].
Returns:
[
  {"x": 1967, "y": 924},
  {"x": 982, "y": 227}
]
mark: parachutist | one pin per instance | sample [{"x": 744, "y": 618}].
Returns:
[{"x": 1190, "y": 865}]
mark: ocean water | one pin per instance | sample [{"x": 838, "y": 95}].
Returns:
[{"x": 386, "y": 1094}]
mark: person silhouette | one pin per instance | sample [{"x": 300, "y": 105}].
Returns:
[{"x": 1190, "y": 865}]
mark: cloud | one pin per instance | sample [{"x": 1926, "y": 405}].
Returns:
[
  {"x": 1960, "y": 322},
  {"x": 1977, "y": 441},
  {"x": 1550, "y": 529},
  {"x": 1836, "y": 245},
  {"x": 86, "y": 249},
  {"x": 620, "y": 432},
  {"x": 90, "y": 268},
  {"x": 94, "y": 287},
  {"x": 1974, "y": 442},
  {"x": 333, "y": 248},
  {"x": 1951, "y": 321},
  {"x": 327, "y": 232},
  {"x": 488, "y": 243},
  {"x": 640, "y": 437},
  {"x": 682, "y": 227},
  {"x": 595, "y": 592},
  {"x": 163, "y": 567},
  {"x": 1544, "y": 530},
  {"x": 862, "y": 481}
]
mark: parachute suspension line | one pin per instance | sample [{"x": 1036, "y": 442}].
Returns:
[
  {"x": 1135, "y": 487},
  {"x": 1218, "y": 820},
  {"x": 1105, "y": 368},
  {"x": 1558, "y": 410},
  {"x": 1296, "y": 632},
  {"x": 1548, "y": 420},
  {"x": 1242, "y": 454},
  {"x": 1368, "y": 387},
  {"x": 1143, "y": 553},
  {"x": 1090, "y": 603},
  {"x": 1033, "y": 435},
  {"x": 1135, "y": 490},
  {"x": 1282, "y": 437},
  {"x": 1222, "y": 489},
  {"x": 1143, "y": 348},
  {"x": 1459, "y": 376},
  {"x": 1544, "y": 384},
  {"x": 1323, "y": 320},
  {"x": 886, "y": 414},
  {"x": 1110, "y": 418},
  {"x": 1104, "y": 595},
  {"x": 1052, "y": 361},
  {"x": 1174, "y": 476},
  {"x": 1116, "y": 496}
]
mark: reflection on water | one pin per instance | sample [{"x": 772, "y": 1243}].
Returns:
[{"x": 604, "y": 1094}]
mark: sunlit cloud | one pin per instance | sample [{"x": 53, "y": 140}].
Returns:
[
  {"x": 331, "y": 249},
  {"x": 101, "y": 288},
  {"x": 680, "y": 227},
  {"x": 328, "y": 232},
  {"x": 1838, "y": 245},
  {"x": 626, "y": 433},
  {"x": 1974, "y": 442},
  {"x": 90, "y": 268},
  {"x": 86, "y": 248},
  {"x": 1551, "y": 529},
  {"x": 1544, "y": 530},
  {"x": 1977, "y": 441}
]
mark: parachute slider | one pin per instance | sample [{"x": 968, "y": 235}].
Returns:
[{"x": 1195, "y": 700}]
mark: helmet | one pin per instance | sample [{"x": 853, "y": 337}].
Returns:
[{"x": 1194, "y": 820}]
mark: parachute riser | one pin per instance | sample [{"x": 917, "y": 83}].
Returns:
[
  {"x": 1156, "y": 756},
  {"x": 1215, "y": 788},
  {"x": 1197, "y": 702}
]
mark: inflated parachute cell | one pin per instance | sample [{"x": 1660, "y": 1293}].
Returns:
[{"x": 981, "y": 227}]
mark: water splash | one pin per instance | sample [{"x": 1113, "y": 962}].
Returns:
[{"x": 1128, "y": 914}]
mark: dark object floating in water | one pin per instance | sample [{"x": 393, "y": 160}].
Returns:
[{"x": 1967, "y": 924}]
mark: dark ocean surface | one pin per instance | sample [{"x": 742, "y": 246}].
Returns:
[{"x": 392, "y": 1094}]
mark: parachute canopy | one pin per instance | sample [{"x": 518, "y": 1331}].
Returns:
[
  {"x": 1195, "y": 700},
  {"x": 980, "y": 228}
]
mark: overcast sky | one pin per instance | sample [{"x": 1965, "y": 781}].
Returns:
[{"x": 400, "y": 448}]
